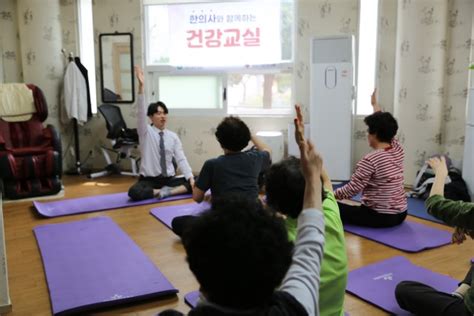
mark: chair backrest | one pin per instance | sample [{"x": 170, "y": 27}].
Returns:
[
  {"x": 114, "y": 120},
  {"x": 29, "y": 131},
  {"x": 20, "y": 102}
]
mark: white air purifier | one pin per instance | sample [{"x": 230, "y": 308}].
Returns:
[{"x": 332, "y": 102}]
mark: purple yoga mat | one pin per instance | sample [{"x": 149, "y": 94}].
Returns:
[
  {"x": 95, "y": 203},
  {"x": 92, "y": 263},
  {"x": 192, "y": 298},
  {"x": 376, "y": 283},
  {"x": 416, "y": 207},
  {"x": 165, "y": 214},
  {"x": 408, "y": 236}
]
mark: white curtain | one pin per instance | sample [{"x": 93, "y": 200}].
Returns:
[{"x": 425, "y": 81}]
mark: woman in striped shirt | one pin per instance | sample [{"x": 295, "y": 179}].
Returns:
[{"x": 379, "y": 176}]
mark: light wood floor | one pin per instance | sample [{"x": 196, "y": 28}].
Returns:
[{"x": 29, "y": 292}]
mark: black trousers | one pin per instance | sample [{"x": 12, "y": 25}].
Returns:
[
  {"x": 180, "y": 223},
  {"x": 362, "y": 215},
  {"x": 143, "y": 188},
  {"x": 421, "y": 299}
]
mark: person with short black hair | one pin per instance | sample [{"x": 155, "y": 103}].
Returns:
[
  {"x": 240, "y": 253},
  {"x": 284, "y": 188},
  {"x": 378, "y": 175},
  {"x": 159, "y": 147},
  {"x": 236, "y": 171}
]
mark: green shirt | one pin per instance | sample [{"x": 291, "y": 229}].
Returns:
[
  {"x": 334, "y": 266},
  {"x": 454, "y": 213}
]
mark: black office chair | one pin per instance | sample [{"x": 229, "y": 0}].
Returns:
[{"x": 123, "y": 140}]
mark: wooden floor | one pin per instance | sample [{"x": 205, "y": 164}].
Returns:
[{"x": 29, "y": 292}]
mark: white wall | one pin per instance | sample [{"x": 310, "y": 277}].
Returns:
[{"x": 39, "y": 58}]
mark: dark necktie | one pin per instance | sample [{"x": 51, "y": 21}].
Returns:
[{"x": 162, "y": 156}]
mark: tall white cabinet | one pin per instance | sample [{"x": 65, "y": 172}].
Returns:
[{"x": 331, "y": 102}]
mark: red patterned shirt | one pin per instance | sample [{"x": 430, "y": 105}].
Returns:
[{"x": 379, "y": 176}]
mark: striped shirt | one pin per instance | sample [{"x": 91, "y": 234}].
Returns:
[{"x": 379, "y": 176}]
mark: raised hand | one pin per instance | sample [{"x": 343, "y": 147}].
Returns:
[
  {"x": 311, "y": 164},
  {"x": 438, "y": 165},
  {"x": 141, "y": 79},
  {"x": 309, "y": 156},
  {"x": 373, "y": 101},
  {"x": 299, "y": 125},
  {"x": 373, "y": 97},
  {"x": 311, "y": 161}
]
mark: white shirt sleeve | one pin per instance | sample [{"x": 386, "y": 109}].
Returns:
[
  {"x": 181, "y": 160},
  {"x": 303, "y": 276},
  {"x": 141, "y": 116}
]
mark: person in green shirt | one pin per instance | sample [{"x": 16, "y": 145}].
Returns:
[
  {"x": 421, "y": 299},
  {"x": 285, "y": 186}
]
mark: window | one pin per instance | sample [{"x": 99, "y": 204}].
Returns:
[
  {"x": 366, "y": 55},
  {"x": 222, "y": 56}
]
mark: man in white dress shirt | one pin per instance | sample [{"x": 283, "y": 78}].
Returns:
[{"x": 159, "y": 146}]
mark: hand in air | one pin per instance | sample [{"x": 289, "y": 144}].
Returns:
[
  {"x": 373, "y": 101},
  {"x": 373, "y": 98},
  {"x": 299, "y": 125},
  {"x": 311, "y": 161},
  {"x": 139, "y": 75},
  {"x": 438, "y": 165}
]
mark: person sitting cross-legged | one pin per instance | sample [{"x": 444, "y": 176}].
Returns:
[
  {"x": 378, "y": 175},
  {"x": 237, "y": 171},
  {"x": 158, "y": 147}
]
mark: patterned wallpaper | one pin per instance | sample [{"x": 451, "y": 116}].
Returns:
[
  {"x": 9, "y": 43},
  {"x": 422, "y": 74},
  {"x": 431, "y": 78}
]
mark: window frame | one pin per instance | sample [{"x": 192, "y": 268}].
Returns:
[
  {"x": 359, "y": 110},
  {"x": 152, "y": 72},
  {"x": 85, "y": 31}
]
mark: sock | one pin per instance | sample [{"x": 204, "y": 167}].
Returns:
[
  {"x": 164, "y": 192},
  {"x": 461, "y": 290}
]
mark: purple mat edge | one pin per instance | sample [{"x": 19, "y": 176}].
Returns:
[
  {"x": 351, "y": 292},
  {"x": 191, "y": 298},
  {"x": 39, "y": 206},
  {"x": 105, "y": 304},
  {"x": 402, "y": 249},
  {"x": 167, "y": 219}
]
